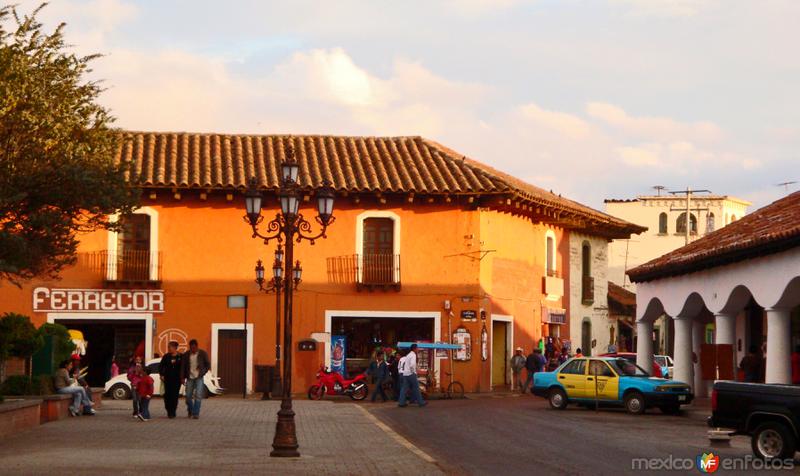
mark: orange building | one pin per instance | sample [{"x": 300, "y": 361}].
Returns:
[{"x": 426, "y": 243}]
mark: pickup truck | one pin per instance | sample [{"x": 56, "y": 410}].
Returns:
[{"x": 769, "y": 414}]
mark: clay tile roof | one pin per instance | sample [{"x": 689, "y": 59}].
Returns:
[
  {"x": 353, "y": 164},
  {"x": 621, "y": 295},
  {"x": 771, "y": 229}
]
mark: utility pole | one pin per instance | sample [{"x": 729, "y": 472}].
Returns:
[{"x": 688, "y": 210}]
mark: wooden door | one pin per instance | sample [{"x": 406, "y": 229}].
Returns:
[
  {"x": 231, "y": 360},
  {"x": 378, "y": 251},
  {"x": 499, "y": 354},
  {"x": 133, "y": 249}
]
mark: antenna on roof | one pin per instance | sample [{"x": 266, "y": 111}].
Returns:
[
  {"x": 785, "y": 185},
  {"x": 658, "y": 189}
]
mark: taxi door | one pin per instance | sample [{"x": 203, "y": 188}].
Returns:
[
  {"x": 602, "y": 381},
  {"x": 573, "y": 377}
]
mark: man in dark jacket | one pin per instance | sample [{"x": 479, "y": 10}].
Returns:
[
  {"x": 194, "y": 366},
  {"x": 170, "y": 371},
  {"x": 531, "y": 365},
  {"x": 380, "y": 376}
]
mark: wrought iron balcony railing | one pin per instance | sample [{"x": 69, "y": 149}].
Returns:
[
  {"x": 372, "y": 270},
  {"x": 127, "y": 266}
]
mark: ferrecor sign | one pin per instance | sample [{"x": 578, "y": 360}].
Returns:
[{"x": 97, "y": 300}]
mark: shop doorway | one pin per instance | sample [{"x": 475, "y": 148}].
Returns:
[
  {"x": 231, "y": 358},
  {"x": 500, "y": 354},
  {"x": 106, "y": 339},
  {"x": 363, "y": 335}
]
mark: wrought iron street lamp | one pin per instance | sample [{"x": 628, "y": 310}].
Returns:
[
  {"x": 288, "y": 226},
  {"x": 275, "y": 285}
]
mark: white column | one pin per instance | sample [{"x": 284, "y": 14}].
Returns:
[
  {"x": 644, "y": 345},
  {"x": 698, "y": 337},
  {"x": 725, "y": 325},
  {"x": 683, "y": 350},
  {"x": 779, "y": 340}
]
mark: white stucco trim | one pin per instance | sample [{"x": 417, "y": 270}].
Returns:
[
  {"x": 360, "y": 236},
  {"x": 509, "y": 344},
  {"x": 101, "y": 316},
  {"x": 218, "y": 326},
  {"x": 719, "y": 288},
  {"x": 437, "y": 327},
  {"x": 554, "y": 254},
  {"x": 113, "y": 240}
]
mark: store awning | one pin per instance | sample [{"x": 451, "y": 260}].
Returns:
[{"x": 429, "y": 345}]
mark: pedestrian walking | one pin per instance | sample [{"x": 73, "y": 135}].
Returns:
[
  {"x": 578, "y": 353},
  {"x": 394, "y": 373},
  {"x": 517, "y": 364},
  {"x": 194, "y": 366},
  {"x": 144, "y": 387},
  {"x": 751, "y": 365},
  {"x": 380, "y": 375},
  {"x": 133, "y": 378},
  {"x": 531, "y": 364},
  {"x": 170, "y": 372},
  {"x": 408, "y": 374}
]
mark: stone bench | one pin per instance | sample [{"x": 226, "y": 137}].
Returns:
[
  {"x": 56, "y": 406},
  {"x": 17, "y": 415}
]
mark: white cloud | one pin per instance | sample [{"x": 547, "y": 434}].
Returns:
[
  {"x": 647, "y": 156},
  {"x": 653, "y": 127},
  {"x": 561, "y": 122},
  {"x": 664, "y": 8}
]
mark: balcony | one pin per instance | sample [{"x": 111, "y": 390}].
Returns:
[
  {"x": 587, "y": 290},
  {"x": 553, "y": 285},
  {"x": 367, "y": 271},
  {"x": 140, "y": 268}
]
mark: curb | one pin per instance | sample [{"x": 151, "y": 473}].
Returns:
[{"x": 397, "y": 437}]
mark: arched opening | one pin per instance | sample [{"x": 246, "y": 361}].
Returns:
[
  {"x": 680, "y": 225},
  {"x": 662, "y": 224},
  {"x": 586, "y": 336},
  {"x": 550, "y": 253},
  {"x": 587, "y": 281},
  {"x": 710, "y": 222},
  {"x": 733, "y": 218}
]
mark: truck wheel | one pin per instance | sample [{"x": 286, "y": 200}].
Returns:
[
  {"x": 120, "y": 391},
  {"x": 557, "y": 399},
  {"x": 772, "y": 440},
  {"x": 634, "y": 403}
]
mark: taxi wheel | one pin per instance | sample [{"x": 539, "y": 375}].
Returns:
[
  {"x": 557, "y": 399},
  {"x": 634, "y": 403}
]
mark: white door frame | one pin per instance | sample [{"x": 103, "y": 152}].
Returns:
[
  {"x": 147, "y": 317},
  {"x": 437, "y": 327},
  {"x": 509, "y": 344},
  {"x": 218, "y": 326}
]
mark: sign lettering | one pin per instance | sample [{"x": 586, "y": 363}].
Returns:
[{"x": 97, "y": 300}]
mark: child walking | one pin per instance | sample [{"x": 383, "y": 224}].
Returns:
[
  {"x": 133, "y": 378},
  {"x": 145, "y": 390}
]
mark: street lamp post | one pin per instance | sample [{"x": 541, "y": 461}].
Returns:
[
  {"x": 288, "y": 226},
  {"x": 275, "y": 284}
]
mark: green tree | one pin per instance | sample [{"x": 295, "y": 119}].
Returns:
[
  {"x": 18, "y": 338},
  {"x": 58, "y": 173},
  {"x": 62, "y": 342}
]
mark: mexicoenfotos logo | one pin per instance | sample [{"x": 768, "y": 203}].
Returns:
[{"x": 708, "y": 462}]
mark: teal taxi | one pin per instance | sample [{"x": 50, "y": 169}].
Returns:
[{"x": 610, "y": 381}]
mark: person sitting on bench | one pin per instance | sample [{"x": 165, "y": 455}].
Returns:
[{"x": 65, "y": 384}]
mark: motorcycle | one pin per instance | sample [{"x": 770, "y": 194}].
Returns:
[{"x": 333, "y": 383}]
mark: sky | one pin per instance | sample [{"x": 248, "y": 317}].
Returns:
[{"x": 592, "y": 99}]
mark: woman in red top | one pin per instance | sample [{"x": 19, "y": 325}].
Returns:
[
  {"x": 796, "y": 365},
  {"x": 145, "y": 390}
]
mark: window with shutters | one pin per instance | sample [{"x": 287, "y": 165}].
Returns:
[
  {"x": 379, "y": 264},
  {"x": 133, "y": 248}
]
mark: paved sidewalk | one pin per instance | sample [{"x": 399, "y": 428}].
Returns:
[{"x": 231, "y": 437}]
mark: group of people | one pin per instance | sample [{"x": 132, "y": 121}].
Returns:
[
  {"x": 536, "y": 361},
  {"x": 175, "y": 369},
  {"x": 401, "y": 368}
]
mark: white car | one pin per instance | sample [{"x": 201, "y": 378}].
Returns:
[{"x": 119, "y": 387}]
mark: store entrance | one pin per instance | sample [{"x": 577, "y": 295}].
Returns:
[
  {"x": 363, "y": 335},
  {"x": 106, "y": 339}
]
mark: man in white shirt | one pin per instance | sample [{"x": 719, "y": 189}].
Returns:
[{"x": 408, "y": 375}]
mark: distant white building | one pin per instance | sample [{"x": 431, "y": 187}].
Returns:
[{"x": 665, "y": 219}]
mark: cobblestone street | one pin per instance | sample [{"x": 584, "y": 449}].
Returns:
[{"x": 231, "y": 437}]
